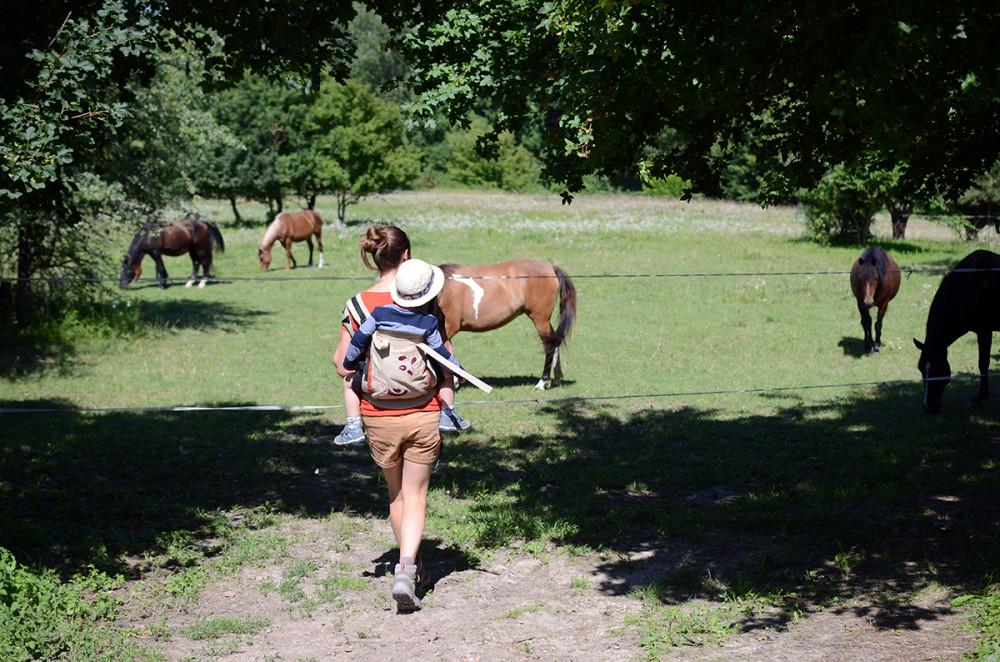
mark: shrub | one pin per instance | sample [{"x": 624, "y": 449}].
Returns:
[
  {"x": 42, "y": 618},
  {"x": 842, "y": 206}
]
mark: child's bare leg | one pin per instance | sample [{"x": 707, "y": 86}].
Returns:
[
  {"x": 446, "y": 390},
  {"x": 352, "y": 402}
]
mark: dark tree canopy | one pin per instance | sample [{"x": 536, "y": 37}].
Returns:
[{"x": 679, "y": 87}]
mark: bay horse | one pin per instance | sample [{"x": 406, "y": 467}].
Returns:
[
  {"x": 486, "y": 297},
  {"x": 874, "y": 281},
  {"x": 968, "y": 299},
  {"x": 178, "y": 237},
  {"x": 287, "y": 229}
]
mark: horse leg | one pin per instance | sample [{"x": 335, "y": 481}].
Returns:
[
  {"x": 985, "y": 347},
  {"x": 309, "y": 242},
  {"x": 206, "y": 267},
  {"x": 288, "y": 251},
  {"x": 161, "y": 271},
  {"x": 878, "y": 328},
  {"x": 544, "y": 328},
  {"x": 194, "y": 269},
  {"x": 319, "y": 243},
  {"x": 866, "y": 324}
]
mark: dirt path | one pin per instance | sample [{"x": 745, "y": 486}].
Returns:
[{"x": 514, "y": 607}]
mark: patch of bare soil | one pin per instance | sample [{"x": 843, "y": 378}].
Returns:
[{"x": 513, "y": 607}]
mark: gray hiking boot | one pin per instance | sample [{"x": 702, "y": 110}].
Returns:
[{"x": 404, "y": 588}]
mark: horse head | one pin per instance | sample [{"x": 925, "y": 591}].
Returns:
[
  {"x": 936, "y": 373},
  {"x": 130, "y": 273},
  {"x": 865, "y": 277},
  {"x": 265, "y": 258}
]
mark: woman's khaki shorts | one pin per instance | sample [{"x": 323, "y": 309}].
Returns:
[{"x": 414, "y": 437}]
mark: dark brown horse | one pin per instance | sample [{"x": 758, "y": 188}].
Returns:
[
  {"x": 486, "y": 297},
  {"x": 875, "y": 281},
  {"x": 968, "y": 299},
  {"x": 288, "y": 229},
  {"x": 174, "y": 238}
]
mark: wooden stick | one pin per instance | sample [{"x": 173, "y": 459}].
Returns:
[{"x": 452, "y": 368}]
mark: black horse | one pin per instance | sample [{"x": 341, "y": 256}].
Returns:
[
  {"x": 968, "y": 299},
  {"x": 174, "y": 238}
]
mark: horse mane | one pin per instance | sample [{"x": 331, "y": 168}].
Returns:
[
  {"x": 876, "y": 256},
  {"x": 135, "y": 250},
  {"x": 271, "y": 234}
]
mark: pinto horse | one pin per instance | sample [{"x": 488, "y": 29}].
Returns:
[
  {"x": 968, "y": 299},
  {"x": 486, "y": 297},
  {"x": 289, "y": 228},
  {"x": 174, "y": 238},
  {"x": 875, "y": 281}
]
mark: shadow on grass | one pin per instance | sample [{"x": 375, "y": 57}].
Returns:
[
  {"x": 858, "y": 495},
  {"x": 23, "y": 357},
  {"x": 186, "y": 313},
  {"x": 84, "y": 488},
  {"x": 862, "y": 495},
  {"x": 853, "y": 346}
]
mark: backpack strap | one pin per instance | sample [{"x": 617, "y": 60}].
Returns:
[{"x": 357, "y": 309}]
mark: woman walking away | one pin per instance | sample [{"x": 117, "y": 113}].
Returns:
[{"x": 405, "y": 441}]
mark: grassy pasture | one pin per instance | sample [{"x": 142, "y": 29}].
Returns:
[{"x": 717, "y": 410}]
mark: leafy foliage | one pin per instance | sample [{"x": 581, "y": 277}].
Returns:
[
  {"x": 513, "y": 169},
  {"x": 817, "y": 84},
  {"x": 255, "y": 113},
  {"x": 842, "y": 207},
  {"x": 41, "y": 618},
  {"x": 81, "y": 100}
]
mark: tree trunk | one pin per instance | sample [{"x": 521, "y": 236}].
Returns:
[
  {"x": 341, "y": 206},
  {"x": 23, "y": 292},
  {"x": 236, "y": 212},
  {"x": 900, "y": 214}
]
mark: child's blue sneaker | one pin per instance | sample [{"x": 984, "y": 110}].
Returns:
[
  {"x": 452, "y": 423},
  {"x": 350, "y": 435}
]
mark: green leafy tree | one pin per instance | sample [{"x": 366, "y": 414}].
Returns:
[
  {"x": 351, "y": 146},
  {"x": 842, "y": 207},
  {"x": 513, "y": 169},
  {"x": 257, "y": 114},
  {"x": 817, "y": 83},
  {"x": 73, "y": 95}
]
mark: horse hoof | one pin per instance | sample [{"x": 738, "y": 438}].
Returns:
[
  {"x": 202, "y": 284},
  {"x": 541, "y": 385},
  {"x": 189, "y": 283}
]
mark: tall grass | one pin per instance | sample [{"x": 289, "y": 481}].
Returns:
[{"x": 717, "y": 405}]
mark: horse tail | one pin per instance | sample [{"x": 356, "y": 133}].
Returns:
[
  {"x": 215, "y": 237},
  {"x": 567, "y": 307}
]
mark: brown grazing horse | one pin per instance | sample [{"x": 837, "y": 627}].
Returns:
[
  {"x": 875, "y": 281},
  {"x": 173, "y": 238},
  {"x": 486, "y": 297},
  {"x": 968, "y": 299},
  {"x": 289, "y": 228}
]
